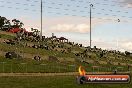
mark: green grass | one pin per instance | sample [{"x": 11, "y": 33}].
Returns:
[
  {"x": 52, "y": 82},
  {"x": 4, "y": 36},
  {"x": 29, "y": 65},
  {"x": 6, "y": 48}
]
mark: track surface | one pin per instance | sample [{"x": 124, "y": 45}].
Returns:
[{"x": 54, "y": 74}]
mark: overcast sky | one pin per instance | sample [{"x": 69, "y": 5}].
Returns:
[{"x": 70, "y": 18}]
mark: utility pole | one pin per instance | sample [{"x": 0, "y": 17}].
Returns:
[
  {"x": 118, "y": 20},
  {"x": 41, "y": 18},
  {"x": 91, "y": 5}
]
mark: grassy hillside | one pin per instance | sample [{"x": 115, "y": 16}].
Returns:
[{"x": 68, "y": 61}]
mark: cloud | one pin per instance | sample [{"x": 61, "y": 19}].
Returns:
[
  {"x": 69, "y": 24},
  {"x": 126, "y": 45},
  {"x": 122, "y": 45},
  {"x": 127, "y": 3},
  {"x": 80, "y": 28},
  {"x": 65, "y": 24},
  {"x": 62, "y": 24}
]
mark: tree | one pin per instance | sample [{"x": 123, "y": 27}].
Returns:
[
  {"x": 21, "y": 24},
  {"x": 35, "y": 31},
  {"x": 7, "y": 25},
  {"x": 127, "y": 53},
  {"x": 4, "y": 24},
  {"x": 17, "y": 23},
  {"x": 2, "y": 21}
]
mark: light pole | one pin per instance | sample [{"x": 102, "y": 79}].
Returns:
[
  {"x": 41, "y": 18},
  {"x": 118, "y": 20},
  {"x": 91, "y": 5}
]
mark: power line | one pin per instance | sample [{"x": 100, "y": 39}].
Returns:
[{"x": 68, "y": 8}]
